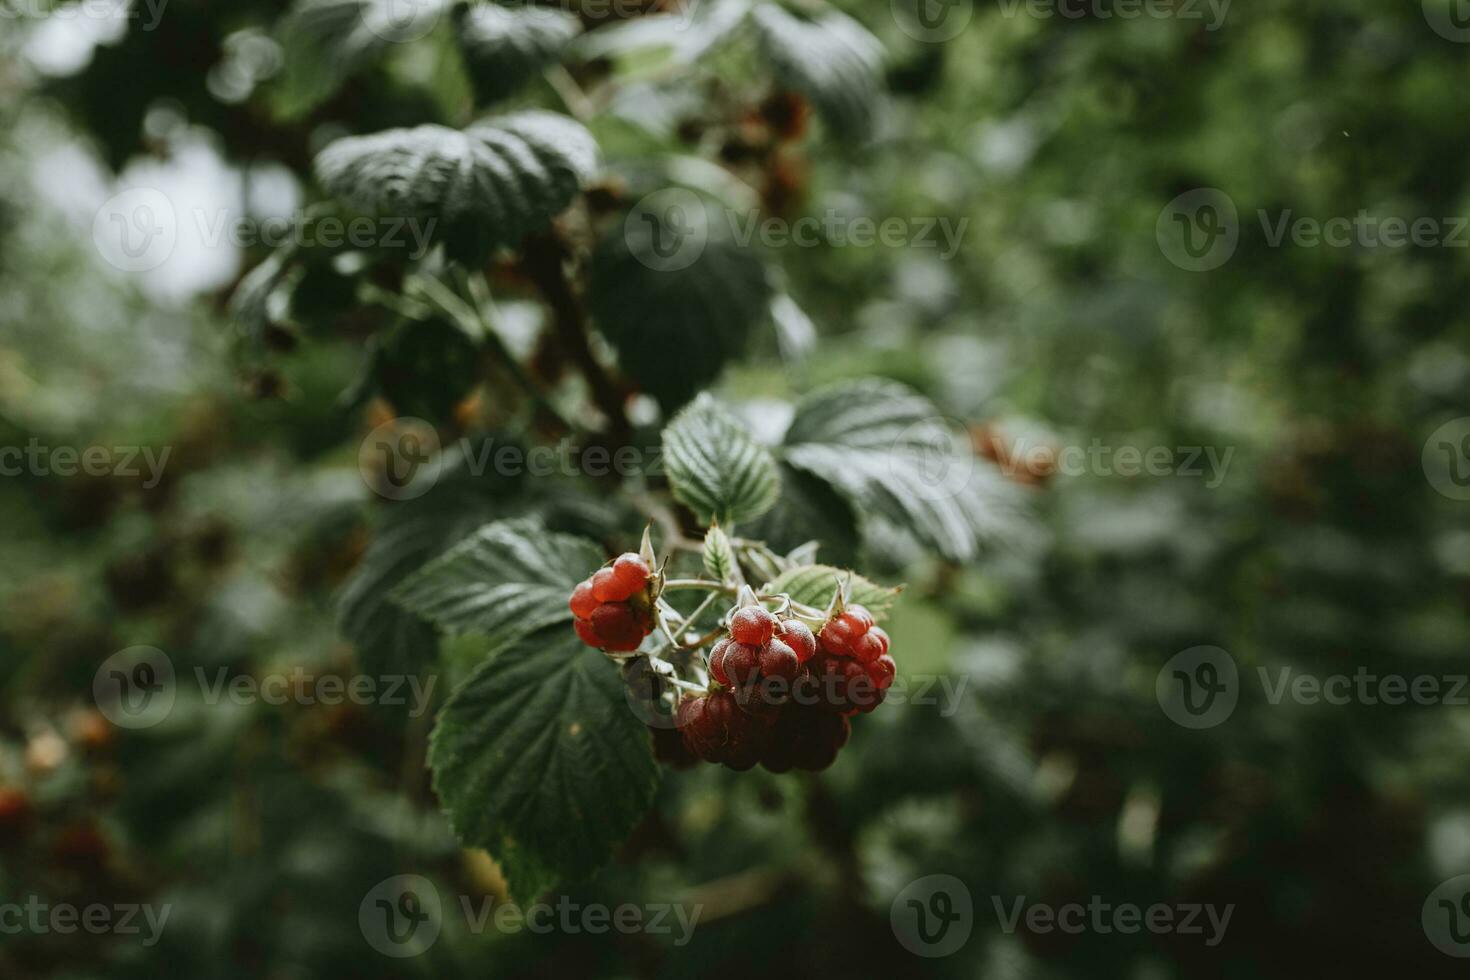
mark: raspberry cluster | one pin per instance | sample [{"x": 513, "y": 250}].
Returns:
[
  {"x": 779, "y": 700},
  {"x": 613, "y": 608}
]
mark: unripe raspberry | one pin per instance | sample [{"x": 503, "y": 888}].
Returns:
[
  {"x": 752, "y": 625},
  {"x": 583, "y": 600},
  {"x": 618, "y": 626},
  {"x": 799, "y": 637},
  {"x": 777, "y": 659}
]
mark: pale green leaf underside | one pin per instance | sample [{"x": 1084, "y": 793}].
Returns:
[
  {"x": 507, "y": 579},
  {"x": 716, "y": 467},
  {"x": 538, "y": 758},
  {"x": 815, "y": 585}
]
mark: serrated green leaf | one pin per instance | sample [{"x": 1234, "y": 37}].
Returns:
[
  {"x": 504, "y": 47},
  {"x": 676, "y": 326},
  {"x": 539, "y": 759},
  {"x": 719, "y": 556},
  {"x": 888, "y": 451},
  {"x": 831, "y": 59},
  {"x": 716, "y": 467},
  {"x": 815, "y": 585},
  {"x": 476, "y": 189},
  {"x": 325, "y": 41},
  {"x": 809, "y": 509},
  {"x": 507, "y": 579}
]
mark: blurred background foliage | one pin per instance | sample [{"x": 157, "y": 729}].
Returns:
[{"x": 1056, "y": 776}]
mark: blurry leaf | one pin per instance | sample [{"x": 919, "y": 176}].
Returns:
[
  {"x": 538, "y": 759},
  {"x": 325, "y": 41},
  {"x": 718, "y": 555},
  {"x": 676, "y": 325},
  {"x": 831, "y": 59},
  {"x": 716, "y": 467},
  {"x": 795, "y": 333},
  {"x": 504, "y": 47},
  {"x": 250, "y": 303},
  {"x": 890, "y": 453},
  {"x": 426, "y": 368},
  {"x": 809, "y": 509},
  {"x": 815, "y": 585},
  {"x": 476, "y": 189},
  {"x": 510, "y": 578}
]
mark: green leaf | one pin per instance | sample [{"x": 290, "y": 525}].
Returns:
[
  {"x": 809, "y": 509},
  {"x": 325, "y": 41},
  {"x": 893, "y": 457},
  {"x": 676, "y": 294},
  {"x": 538, "y": 758},
  {"x": 716, "y": 467},
  {"x": 476, "y": 189},
  {"x": 831, "y": 59},
  {"x": 719, "y": 556},
  {"x": 504, "y": 47},
  {"x": 815, "y": 585},
  {"x": 506, "y": 580}
]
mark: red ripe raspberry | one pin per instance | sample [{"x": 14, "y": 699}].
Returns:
[
  {"x": 799, "y": 638},
  {"x": 717, "y": 662},
  {"x": 779, "y": 660},
  {"x": 870, "y": 646},
  {"x": 839, "y": 684},
  {"x": 860, "y": 619},
  {"x": 882, "y": 671},
  {"x": 717, "y": 731},
  {"x": 583, "y": 601},
  {"x": 752, "y": 625},
  {"x": 617, "y": 626},
  {"x": 586, "y": 633},
  {"x": 620, "y": 580},
  {"x": 805, "y": 737},
  {"x": 741, "y": 662},
  {"x": 836, "y": 637}
]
